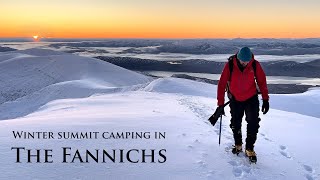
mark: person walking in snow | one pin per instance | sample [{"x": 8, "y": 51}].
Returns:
[{"x": 240, "y": 76}]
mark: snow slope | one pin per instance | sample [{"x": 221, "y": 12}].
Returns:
[
  {"x": 105, "y": 98},
  {"x": 31, "y": 78},
  {"x": 305, "y": 103}
]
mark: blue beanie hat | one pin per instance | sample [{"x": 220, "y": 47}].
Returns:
[{"x": 244, "y": 54}]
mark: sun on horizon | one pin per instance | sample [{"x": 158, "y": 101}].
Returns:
[{"x": 35, "y": 37}]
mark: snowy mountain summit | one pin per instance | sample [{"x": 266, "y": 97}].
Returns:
[{"x": 48, "y": 91}]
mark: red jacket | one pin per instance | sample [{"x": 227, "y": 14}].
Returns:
[{"x": 242, "y": 85}]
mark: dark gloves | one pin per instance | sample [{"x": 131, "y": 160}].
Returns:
[
  {"x": 219, "y": 112},
  {"x": 265, "y": 106}
]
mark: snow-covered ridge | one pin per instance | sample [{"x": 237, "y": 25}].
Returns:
[
  {"x": 182, "y": 86},
  {"x": 34, "y": 77}
]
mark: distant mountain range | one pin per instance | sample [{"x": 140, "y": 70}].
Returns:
[
  {"x": 5, "y": 49},
  {"x": 192, "y": 46},
  {"x": 272, "y": 68},
  {"x": 205, "y": 46}
]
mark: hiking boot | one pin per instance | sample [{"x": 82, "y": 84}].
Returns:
[
  {"x": 251, "y": 155},
  {"x": 236, "y": 149}
]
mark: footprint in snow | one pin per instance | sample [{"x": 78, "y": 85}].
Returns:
[
  {"x": 237, "y": 172},
  {"x": 240, "y": 166},
  {"x": 309, "y": 171},
  {"x": 309, "y": 177},
  {"x": 234, "y": 163},
  {"x": 308, "y": 168},
  {"x": 283, "y": 151},
  {"x": 183, "y": 135},
  {"x": 204, "y": 154},
  {"x": 265, "y": 137},
  {"x": 197, "y": 141},
  {"x": 210, "y": 174},
  {"x": 199, "y": 109},
  {"x": 228, "y": 147},
  {"x": 282, "y": 147},
  {"x": 202, "y": 163},
  {"x": 155, "y": 111},
  {"x": 268, "y": 139}
]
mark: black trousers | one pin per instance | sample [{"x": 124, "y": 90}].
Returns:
[{"x": 251, "y": 108}]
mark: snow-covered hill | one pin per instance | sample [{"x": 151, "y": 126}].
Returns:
[
  {"x": 31, "y": 78},
  {"x": 61, "y": 92}
]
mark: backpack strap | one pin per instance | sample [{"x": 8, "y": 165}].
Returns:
[
  {"x": 230, "y": 62},
  {"x": 254, "y": 66}
]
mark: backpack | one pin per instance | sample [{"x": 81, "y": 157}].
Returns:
[{"x": 230, "y": 63}]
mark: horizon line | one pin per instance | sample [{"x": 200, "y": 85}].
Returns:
[{"x": 161, "y": 38}]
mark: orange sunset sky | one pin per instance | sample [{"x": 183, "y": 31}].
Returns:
[{"x": 160, "y": 18}]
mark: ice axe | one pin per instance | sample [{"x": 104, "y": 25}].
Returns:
[
  {"x": 220, "y": 129},
  {"x": 214, "y": 118}
]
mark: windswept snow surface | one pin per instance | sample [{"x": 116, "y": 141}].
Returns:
[{"x": 66, "y": 93}]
